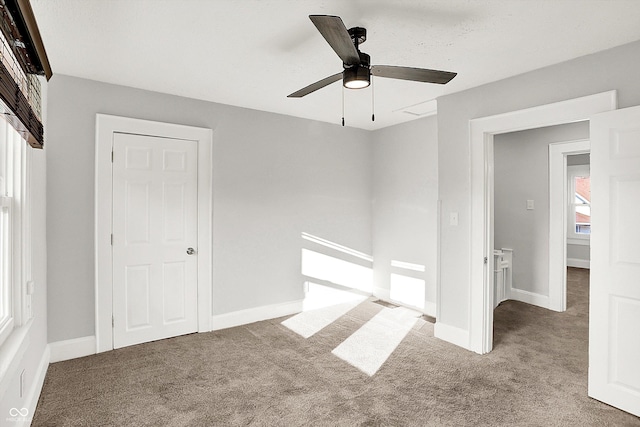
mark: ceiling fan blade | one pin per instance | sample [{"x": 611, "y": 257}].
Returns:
[
  {"x": 315, "y": 86},
  {"x": 414, "y": 74},
  {"x": 335, "y": 33}
]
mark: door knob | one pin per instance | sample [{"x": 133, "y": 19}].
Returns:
[{"x": 190, "y": 251}]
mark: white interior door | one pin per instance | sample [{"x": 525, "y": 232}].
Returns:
[
  {"x": 614, "y": 315},
  {"x": 154, "y": 225}
]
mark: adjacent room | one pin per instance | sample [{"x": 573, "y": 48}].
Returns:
[{"x": 264, "y": 212}]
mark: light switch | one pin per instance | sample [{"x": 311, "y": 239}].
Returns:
[
  {"x": 453, "y": 218},
  {"x": 529, "y": 205}
]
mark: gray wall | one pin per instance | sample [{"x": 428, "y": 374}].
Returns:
[
  {"x": 521, "y": 172},
  {"x": 578, "y": 159},
  {"x": 616, "y": 68},
  {"x": 405, "y": 201},
  {"x": 579, "y": 252},
  {"x": 274, "y": 177}
]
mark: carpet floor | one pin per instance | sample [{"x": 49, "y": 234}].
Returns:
[{"x": 264, "y": 374}]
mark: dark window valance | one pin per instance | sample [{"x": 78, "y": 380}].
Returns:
[{"x": 22, "y": 59}]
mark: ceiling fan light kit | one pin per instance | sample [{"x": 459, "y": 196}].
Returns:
[
  {"x": 357, "y": 65},
  {"x": 357, "y": 77}
]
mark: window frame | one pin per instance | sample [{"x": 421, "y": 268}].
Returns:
[
  {"x": 7, "y": 321},
  {"x": 573, "y": 172},
  {"x": 16, "y": 220}
]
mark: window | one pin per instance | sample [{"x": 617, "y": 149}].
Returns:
[
  {"x": 22, "y": 58},
  {"x": 14, "y": 230},
  {"x": 579, "y": 214},
  {"x": 6, "y": 315}
]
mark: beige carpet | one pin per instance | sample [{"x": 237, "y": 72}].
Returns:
[{"x": 264, "y": 374}]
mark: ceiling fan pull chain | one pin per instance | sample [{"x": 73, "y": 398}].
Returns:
[
  {"x": 343, "y": 106},
  {"x": 373, "y": 104}
]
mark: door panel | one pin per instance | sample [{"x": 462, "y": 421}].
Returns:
[
  {"x": 154, "y": 222},
  {"x": 137, "y": 278},
  {"x": 174, "y": 292},
  {"x": 614, "y": 315}
]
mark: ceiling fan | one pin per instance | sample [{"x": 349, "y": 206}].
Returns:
[{"x": 357, "y": 65}]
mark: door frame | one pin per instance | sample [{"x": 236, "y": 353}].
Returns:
[
  {"x": 106, "y": 126},
  {"x": 481, "y": 133},
  {"x": 558, "y": 212}
]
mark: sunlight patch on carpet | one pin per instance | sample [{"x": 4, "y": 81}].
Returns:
[
  {"x": 371, "y": 345},
  {"x": 322, "y": 306}
]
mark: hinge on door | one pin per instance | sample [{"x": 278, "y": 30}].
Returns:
[
  {"x": 112, "y": 241},
  {"x": 111, "y": 156},
  {"x": 485, "y": 259},
  {"x": 113, "y": 322}
]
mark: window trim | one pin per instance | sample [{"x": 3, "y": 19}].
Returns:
[
  {"x": 7, "y": 324},
  {"x": 18, "y": 242},
  {"x": 574, "y": 238}
]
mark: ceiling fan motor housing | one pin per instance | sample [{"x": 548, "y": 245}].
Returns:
[
  {"x": 357, "y": 76},
  {"x": 365, "y": 61},
  {"x": 358, "y": 35}
]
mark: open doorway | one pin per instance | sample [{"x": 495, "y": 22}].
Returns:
[
  {"x": 579, "y": 210},
  {"x": 530, "y": 265},
  {"x": 613, "y": 307},
  {"x": 481, "y": 138}
]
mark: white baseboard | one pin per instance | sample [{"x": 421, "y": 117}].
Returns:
[
  {"x": 452, "y": 334},
  {"x": 530, "y": 298},
  {"x": 257, "y": 314},
  {"x": 36, "y": 388},
  {"x": 72, "y": 349},
  {"x": 430, "y": 308},
  {"x": 385, "y": 295},
  {"x": 579, "y": 263},
  {"x": 382, "y": 293}
]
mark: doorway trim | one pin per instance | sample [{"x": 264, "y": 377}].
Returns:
[
  {"x": 481, "y": 133},
  {"x": 558, "y": 211},
  {"x": 106, "y": 126}
]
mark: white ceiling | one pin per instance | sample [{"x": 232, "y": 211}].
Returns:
[{"x": 253, "y": 53}]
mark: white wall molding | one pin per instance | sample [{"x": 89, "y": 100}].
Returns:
[
  {"x": 481, "y": 132},
  {"x": 106, "y": 126},
  {"x": 530, "y": 297},
  {"x": 382, "y": 293},
  {"x": 430, "y": 308},
  {"x": 385, "y": 295},
  {"x": 578, "y": 263},
  {"x": 72, "y": 349},
  {"x": 11, "y": 353},
  {"x": 256, "y": 314},
  {"x": 452, "y": 334},
  {"x": 33, "y": 395}
]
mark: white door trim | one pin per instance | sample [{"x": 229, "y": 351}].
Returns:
[
  {"x": 558, "y": 206},
  {"x": 106, "y": 126},
  {"x": 481, "y": 132}
]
